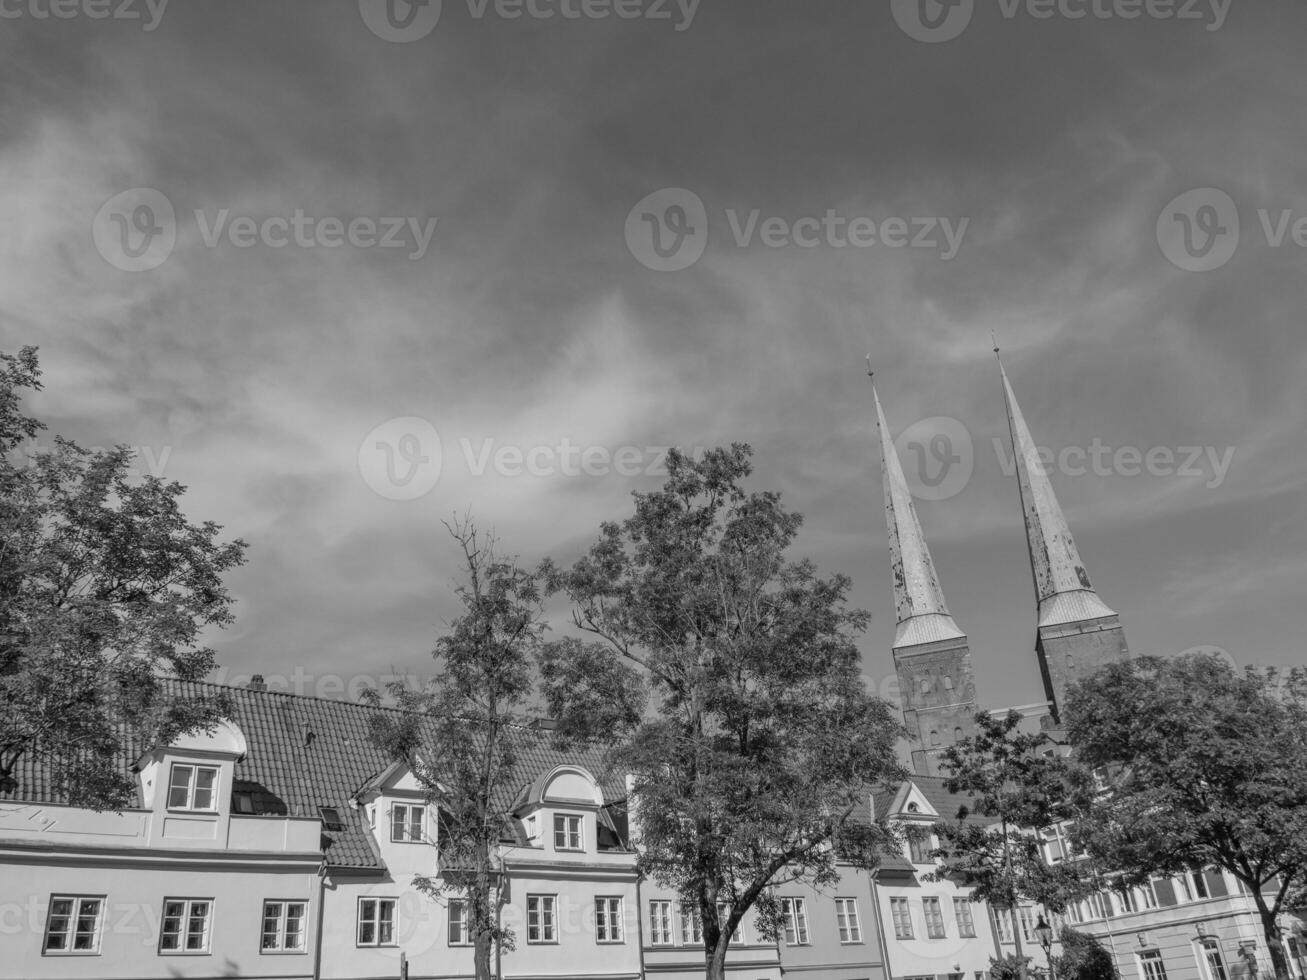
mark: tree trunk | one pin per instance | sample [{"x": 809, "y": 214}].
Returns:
[
  {"x": 716, "y": 959},
  {"x": 481, "y": 957},
  {"x": 1273, "y": 938}
]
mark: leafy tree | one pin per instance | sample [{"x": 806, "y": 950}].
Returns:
[
  {"x": 993, "y": 846},
  {"x": 459, "y": 735},
  {"x": 105, "y": 587},
  {"x": 1010, "y": 967},
  {"x": 1208, "y": 769},
  {"x": 756, "y": 766},
  {"x": 1084, "y": 958}
]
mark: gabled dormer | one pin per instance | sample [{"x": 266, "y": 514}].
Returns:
[
  {"x": 187, "y": 786},
  {"x": 402, "y": 821}
]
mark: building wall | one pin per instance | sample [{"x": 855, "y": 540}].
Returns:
[
  {"x": 825, "y": 956},
  {"x": 753, "y": 957}
]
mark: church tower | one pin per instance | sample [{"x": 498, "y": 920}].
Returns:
[
  {"x": 931, "y": 655},
  {"x": 1077, "y": 632}
]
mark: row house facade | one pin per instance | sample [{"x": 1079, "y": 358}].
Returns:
[{"x": 285, "y": 845}]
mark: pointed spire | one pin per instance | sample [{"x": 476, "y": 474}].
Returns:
[
  {"x": 918, "y": 599},
  {"x": 1061, "y": 582}
]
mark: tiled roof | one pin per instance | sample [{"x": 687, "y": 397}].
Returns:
[{"x": 306, "y": 753}]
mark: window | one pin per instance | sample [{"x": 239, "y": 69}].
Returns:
[
  {"x": 660, "y": 923},
  {"x": 1147, "y": 897},
  {"x": 1002, "y": 920},
  {"x": 1150, "y": 964},
  {"x": 185, "y": 925},
  {"x": 934, "y": 918},
  {"x": 1125, "y": 901},
  {"x": 962, "y": 915},
  {"x": 193, "y": 788},
  {"x": 1026, "y": 915},
  {"x": 243, "y": 802},
  {"x": 377, "y": 921},
  {"x": 723, "y": 913},
  {"x": 795, "y": 913},
  {"x": 846, "y": 913},
  {"x": 1056, "y": 847},
  {"x": 541, "y": 921},
  {"x": 407, "y": 822},
  {"x": 283, "y": 927},
  {"x": 608, "y": 920},
  {"x": 74, "y": 924},
  {"x": 1199, "y": 883},
  {"x": 1210, "y": 950},
  {"x": 902, "y": 918},
  {"x": 459, "y": 932},
  {"x": 691, "y": 927},
  {"x": 330, "y": 818},
  {"x": 934, "y": 737},
  {"x": 919, "y": 845},
  {"x": 567, "y": 832}
]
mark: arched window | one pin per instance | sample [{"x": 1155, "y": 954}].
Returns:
[
  {"x": 925, "y": 684},
  {"x": 948, "y": 683},
  {"x": 934, "y": 738},
  {"x": 1070, "y": 661},
  {"x": 957, "y": 734}
]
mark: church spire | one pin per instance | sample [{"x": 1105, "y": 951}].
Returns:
[
  {"x": 1061, "y": 582},
  {"x": 918, "y": 599}
]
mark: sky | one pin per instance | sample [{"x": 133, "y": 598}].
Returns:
[{"x": 347, "y": 271}]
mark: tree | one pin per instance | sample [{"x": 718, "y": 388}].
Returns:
[
  {"x": 1084, "y": 958},
  {"x": 105, "y": 587},
  {"x": 993, "y": 846},
  {"x": 755, "y": 767},
  {"x": 458, "y": 735},
  {"x": 1208, "y": 768}
]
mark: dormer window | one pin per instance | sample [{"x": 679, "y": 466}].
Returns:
[
  {"x": 407, "y": 823},
  {"x": 193, "y": 788},
  {"x": 567, "y": 832}
]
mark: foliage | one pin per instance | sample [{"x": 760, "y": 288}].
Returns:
[
  {"x": 1010, "y": 967},
  {"x": 1084, "y": 958},
  {"x": 460, "y": 735},
  {"x": 993, "y": 846},
  {"x": 756, "y": 765},
  {"x": 1208, "y": 767},
  {"x": 105, "y": 587}
]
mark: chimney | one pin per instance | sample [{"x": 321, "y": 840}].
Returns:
[{"x": 256, "y": 683}]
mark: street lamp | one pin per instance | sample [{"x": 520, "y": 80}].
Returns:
[{"x": 1044, "y": 933}]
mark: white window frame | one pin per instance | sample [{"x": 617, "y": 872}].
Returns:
[
  {"x": 283, "y": 917},
  {"x": 376, "y": 903},
  {"x": 901, "y": 915},
  {"x": 738, "y": 936},
  {"x": 691, "y": 926},
  {"x": 966, "y": 922},
  {"x": 795, "y": 911},
  {"x": 406, "y": 823},
  {"x": 662, "y": 925},
  {"x": 933, "y": 911},
  {"x": 1204, "y": 949},
  {"x": 184, "y": 931},
  {"x": 1151, "y": 965},
  {"x": 71, "y": 928},
  {"x": 609, "y": 919},
  {"x": 192, "y": 785},
  {"x": 542, "y": 920},
  {"x": 459, "y": 930},
  {"x": 846, "y": 915},
  {"x": 570, "y": 829}
]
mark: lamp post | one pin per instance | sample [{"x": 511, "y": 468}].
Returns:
[{"x": 1044, "y": 933}]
